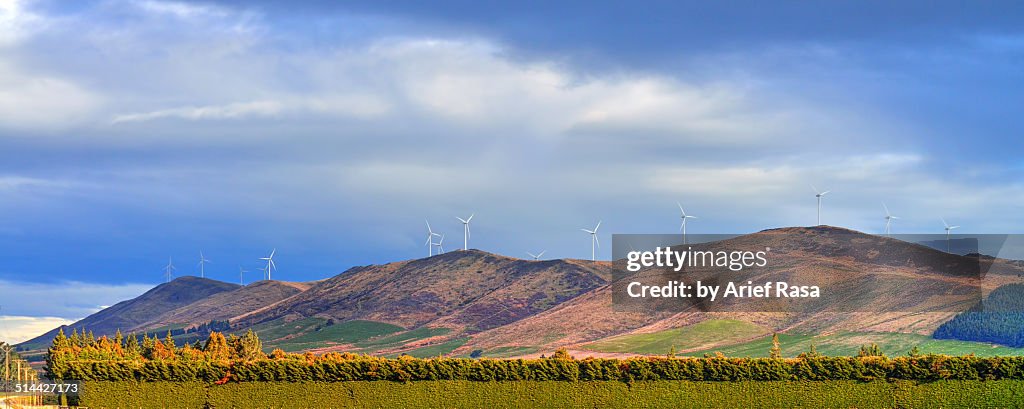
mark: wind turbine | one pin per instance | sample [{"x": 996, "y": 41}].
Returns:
[
  {"x": 536, "y": 256},
  {"x": 169, "y": 270},
  {"x": 270, "y": 262},
  {"x": 684, "y": 216},
  {"x": 241, "y": 273},
  {"x": 466, "y": 234},
  {"x": 888, "y": 218},
  {"x": 202, "y": 265},
  {"x": 594, "y": 242},
  {"x": 948, "y": 228},
  {"x": 818, "y": 195},
  {"x": 440, "y": 245},
  {"x": 430, "y": 240}
]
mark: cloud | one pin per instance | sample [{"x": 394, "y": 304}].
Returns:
[
  {"x": 36, "y": 101},
  {"x": 15, "y": 329},
  {"x": 64, "y": 299}
]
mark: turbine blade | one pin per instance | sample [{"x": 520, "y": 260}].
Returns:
[
  {"x": 886, "y": 209},
  {"x": 597, "y": 240},
  {"x": 825, "y": 192},
  {"x": 460, "y": 219},
  {"x": 541, "y": 253},
  {"x": 815, "y": 190},
  {"x": 588, "y": 231},
  {"x": 470, "y": 217},
  {"x": 681, "y": 225},
  {"x": 598, "y": 226}
]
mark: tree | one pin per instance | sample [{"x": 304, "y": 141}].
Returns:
[
  {"x": 872, "y": 350},
  {"x": 131, "y": 345},
  {"x": 216, "y": 347},
  {"x": 776, "y": 351},
  {"x": 248, "y": 347}
]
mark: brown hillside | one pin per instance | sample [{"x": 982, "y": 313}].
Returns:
[{"x": 226, "y": 305}]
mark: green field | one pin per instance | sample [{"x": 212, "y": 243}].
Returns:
[
  {"x": 659, "y": 343},
  {"x": 557, "y": 394},
  {"x": 434, "y": 350},
  {"x": 849, "y": 343},
  {"x": 348, "y": 332}
]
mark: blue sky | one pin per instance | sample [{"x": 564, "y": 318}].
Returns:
[{"x": 134, "y": 131}]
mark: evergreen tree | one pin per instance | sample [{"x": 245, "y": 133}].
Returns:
[{"x": 131, "y": 345}]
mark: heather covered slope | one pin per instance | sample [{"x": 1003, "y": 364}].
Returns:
[
  {"x": 851, "y": 262},
  {"x": 462, "y": 290}
]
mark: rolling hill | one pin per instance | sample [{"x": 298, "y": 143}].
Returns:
[
  {"x": 477, "y": 303},
  {"x": 132, "y": 313}
]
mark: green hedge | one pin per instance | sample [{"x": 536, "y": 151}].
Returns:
[
  {"x": 405, "y": 369},
  {"x": 532, "y": 394}
]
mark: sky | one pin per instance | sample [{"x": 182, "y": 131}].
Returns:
[{"x": 132, "y": 132}]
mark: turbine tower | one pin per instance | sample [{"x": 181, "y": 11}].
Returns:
[
  {"x": 169, "y": 270},
  {"x": 466, "y": 234},
  {"x": 270, "y": 263},
  {"x": 594, "y": 242},
  {"x": 888, "y": 219},
  {"x": 684, "y": 216},
  {"x": 536, "y": 256},
  {"x": 948, "y": 228},
  {"x": 202, "y": 264},
  {"x": 430, "y": 240},
  {"x": 241, "y": 274},
  {"x": 818, "y": 195}
]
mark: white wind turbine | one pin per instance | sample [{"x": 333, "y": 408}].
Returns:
[
  {"x": 948, "y": 229},
  {"x": 202, "y": 264},
  {"x": 169, "y": 270},
  {"x": 818, "y": 195},
  {"x": 466, "y": 234},
  {"x": 241, "y": 273},
  {"x": 684, "y": 216},
  {"x": 430, "y": 240},
  {"x": 536, "y": 256},
  {"x": 440, "y": 245},
  {"x": 594, "y": 242},
  {"x": 270, "y": 263},
  {"x": 888, "y": 218}
]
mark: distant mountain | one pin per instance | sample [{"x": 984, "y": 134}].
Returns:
[{"x": 132, "y": 313}]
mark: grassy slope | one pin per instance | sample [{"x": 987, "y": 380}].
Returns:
[{"x": 710, "y": 332}]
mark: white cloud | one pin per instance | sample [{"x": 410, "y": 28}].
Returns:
[
  {"x": 344, "y": 105},
  {"x": 36, "y": 101},
  {"x": 16, "y": 22},
  {"x": 15, "y": 329}
]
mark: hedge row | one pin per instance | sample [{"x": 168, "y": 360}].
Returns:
[
  {"x": 405, "y": 369},
  {"x": 541, "y": 394}
]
